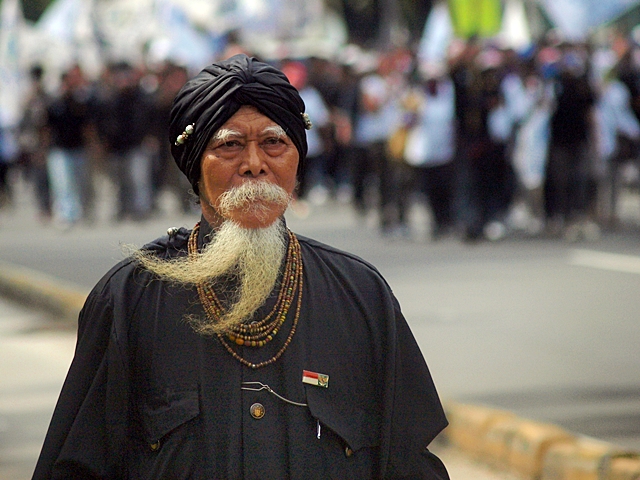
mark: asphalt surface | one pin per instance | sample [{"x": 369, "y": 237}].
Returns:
[{"x": 543, "y": 328}]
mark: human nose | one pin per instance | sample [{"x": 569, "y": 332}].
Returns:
[{"x": 253, "y": 163}]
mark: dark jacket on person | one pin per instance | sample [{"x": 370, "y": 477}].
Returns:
[{"x": 68, "y": 118}]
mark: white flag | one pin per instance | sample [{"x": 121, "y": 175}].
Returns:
[
  {"x": 436, "y": 36},
  {"x": 12, "y": 79},
  {"x": 68, "y": 26}
]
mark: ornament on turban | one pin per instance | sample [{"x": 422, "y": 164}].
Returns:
[{"x": 209, "y": 99}]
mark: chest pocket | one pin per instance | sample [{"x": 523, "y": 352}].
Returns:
[
  {"x": 163, "y": 414},
  {"x": 350, "y": 435},
  {"x": 168, "y": 441}
]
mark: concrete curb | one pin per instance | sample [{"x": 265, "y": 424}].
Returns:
[
  {"x": 496, "y": 438},
  {"x": 533, "y": 450},
  {"x": 63, "y": 300}
]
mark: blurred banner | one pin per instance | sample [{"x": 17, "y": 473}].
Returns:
[
  {"x": 12, "y": 78},
  {"x": 437, "y": 35},
  {"x": 515, "y": 32},
  {"x": 481, "y": 18},
  {"x": 440, "y": 29},
  {"x": 188, "y": 32},
  {"x": 65, "y": 35},
  {"x": 179, "y": 40},
  {"x": 576, "y": 18}
]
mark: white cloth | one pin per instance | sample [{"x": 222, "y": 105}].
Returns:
[
  {"x": 431, "y": 141},
  {"x": 613, "y": 117},
  {"x": 376, "y": 126},
  {"x": 531, "y": 148},
  {"x": 319, "y": 115}
]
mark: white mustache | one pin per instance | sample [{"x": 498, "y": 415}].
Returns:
[{"x": 254, "y": 196}]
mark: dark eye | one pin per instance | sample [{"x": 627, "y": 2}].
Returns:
[
  {"x": 273, "y": 141},
  {"x": 274, "y": 146},
  {"x": 229, "y": 147}
]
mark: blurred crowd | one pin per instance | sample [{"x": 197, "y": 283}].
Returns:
[
  {"x": 489, "y": 140},
  {"x": 115, "y": 127}
]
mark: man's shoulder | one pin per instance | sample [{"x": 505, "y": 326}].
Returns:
[
  {"x": 333, "y": 255},
  {"x": 170, "y": 245},
  {"x": 173, "y": 243}
]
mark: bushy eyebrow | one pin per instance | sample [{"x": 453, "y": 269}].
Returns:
[
  {"x": 277, "y": 130},
  {"x": 223, "y": 134}
]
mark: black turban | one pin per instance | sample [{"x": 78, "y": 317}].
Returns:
[{"x": 209, "y": 99}]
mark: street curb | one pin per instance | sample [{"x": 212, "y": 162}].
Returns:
[
  {"x": 533, "y": 450},
  {"x": 63, "y": 300},
  {"x": 494, "y": 437}
]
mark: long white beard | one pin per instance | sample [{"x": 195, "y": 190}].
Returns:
[{"x": 254, "y": 256}]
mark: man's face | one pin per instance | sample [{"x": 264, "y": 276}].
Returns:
[{"x": 248, "y": 147}]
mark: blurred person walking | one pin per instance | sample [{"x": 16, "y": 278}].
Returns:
[
  {"x": 430, "y": 145},
  {"x": 569, "y": 168},
  {"x": 313, "y": 183},
  {"x": 484, "y": 128},
  {"x": 69, "y": 173},
  {"x": 165, "y": 173},
  {"x": 530, "y": 153},
  {"x": 124, "y": 127},
  {"x": 33, "y": 142},
  {"x": 8, "y": 153},
  {"x": 618, "y": 137},
  {"x": 337, "y": 84},
  {"x": 377, "y": 117},
  {"x": 344, "y": 115}
]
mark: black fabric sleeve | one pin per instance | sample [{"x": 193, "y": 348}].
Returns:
[
  {"x": 87, "y": 432},
  {"x": 414, "y": 411}
]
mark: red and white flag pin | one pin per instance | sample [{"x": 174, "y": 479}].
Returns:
[{"x": 317, "y": 379}]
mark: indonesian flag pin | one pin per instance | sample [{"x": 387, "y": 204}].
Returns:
[{"x": 317, "y": 379}]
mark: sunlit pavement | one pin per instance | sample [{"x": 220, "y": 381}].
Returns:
[{"x": 34, "y": 358}]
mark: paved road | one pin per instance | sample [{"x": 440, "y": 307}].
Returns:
[
  {"x": 547, "y": 329},
  {"x": 34, "y": 358}
]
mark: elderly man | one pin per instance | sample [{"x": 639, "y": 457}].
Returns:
[{"x": 238, "y": 349}]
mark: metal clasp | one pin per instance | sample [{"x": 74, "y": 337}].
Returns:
[{"x": 258, "y": 386}]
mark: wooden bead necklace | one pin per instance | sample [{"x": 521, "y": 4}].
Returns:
[{"x": 258, "y": 333}]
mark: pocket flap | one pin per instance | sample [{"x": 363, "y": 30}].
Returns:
[
  {"x": 357, "y": 427},
  {"x": 164, "y": 413}
]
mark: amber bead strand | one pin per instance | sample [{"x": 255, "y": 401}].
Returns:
[
  {"x": 292, "y": 284},
  {"x": 256, "y": 334},
  {"x": 214, "y": 306},
  {"x": 289, "y": 337}
]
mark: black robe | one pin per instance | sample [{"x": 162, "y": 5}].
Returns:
[{"x": 148, "y": 398}]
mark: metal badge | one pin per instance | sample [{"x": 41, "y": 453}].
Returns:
[{"x": 257, "y": 411}]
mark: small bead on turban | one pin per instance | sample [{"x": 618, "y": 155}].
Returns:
[{"x": 209, "y": 99}]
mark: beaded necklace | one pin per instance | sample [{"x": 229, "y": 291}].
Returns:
[{"x": 258, "y": 333}]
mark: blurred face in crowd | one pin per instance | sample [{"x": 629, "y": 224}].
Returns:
[{"x": 248, "y": 171}]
